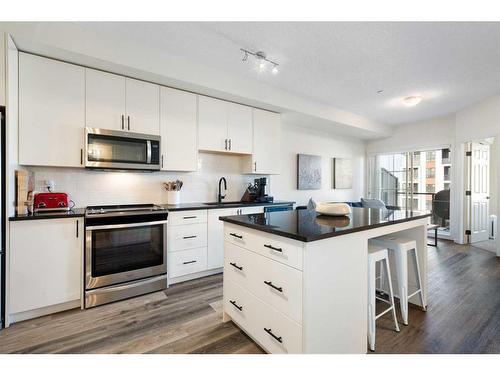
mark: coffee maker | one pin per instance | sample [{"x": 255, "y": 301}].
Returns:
[{"x": 257, "y": 192}]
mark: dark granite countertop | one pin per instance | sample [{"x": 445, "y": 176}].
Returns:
[
  {"x": 306, "y": 226},
  {"x": 75, "y": 212},
  {"x": 208, "y": 206}
]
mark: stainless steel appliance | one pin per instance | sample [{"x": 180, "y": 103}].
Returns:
[
  {"x": 112, "y": 149},
  {"x": 125, "y": 252}
]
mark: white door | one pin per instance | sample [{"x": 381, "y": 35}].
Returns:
[
  {"x": 239, "y": 128},
  {"x": 266, "y": 144},
  {"x": 215, "y": 254},
  {"x": 212, "y": 124},
  {"x": 45, "y": 263},
  {"x": 51, "y": 112},
  {"x": 105, "y": 93},
  {"x": 143, "y": 107},
  {"x": 480, "y": 182},
  {"x": 178, "y": 130}
]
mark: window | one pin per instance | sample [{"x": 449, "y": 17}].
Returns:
[
  {"x": 430, "y": 172},
  {"x": 430, "y": 155},
  {"x": 430, "y": 188}
]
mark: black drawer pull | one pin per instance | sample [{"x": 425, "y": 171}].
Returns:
[
  {"x": 236, "y": 266},
  {"x": 191, "y": 261},
  {"x": 188, "y": 237},
  {"x": 274, "y": 248},
  {"x": 189, "y": 217},
  {"x": 269, "y": 331},
  {"x": 236, "y": 235},
  {"x": 235, "y": 305},
  {"x": 279, "y": 289}
]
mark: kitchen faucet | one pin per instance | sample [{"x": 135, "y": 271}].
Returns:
[{"x": 220, "y": 197}]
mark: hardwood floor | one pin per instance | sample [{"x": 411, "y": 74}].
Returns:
[{"x": 463, "y": 317}]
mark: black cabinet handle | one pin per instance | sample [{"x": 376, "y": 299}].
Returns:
[
  {"x": 81, "y": 156},
  {"x": 187, "y": 237},
  {"x": 279, "y": 289},
  {"x": 225, "y": 146},
  {"x": 162, "y": 161},
  {"x": 274, "y": 248},
  {"x": 235, "y": 305},
  {"x": 269, "y": 331},
  {"x": 123, "y": 122},
  {"x": 236, "y": 235},
  {"x": 128, "y": 122},
  {"x": 189, "y": 217},
  {"x": 229, "y": 144},
  {"x": 77, "y": 229},
  {"x": 236, "y": 266},
  {"x": 191, "y": 261}
]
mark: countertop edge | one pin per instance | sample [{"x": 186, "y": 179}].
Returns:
[
  {"x": 228, "y": 219},
  {"x": 203, "y": 206}
]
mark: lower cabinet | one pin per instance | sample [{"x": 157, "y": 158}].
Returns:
[
  {"x": 215, "y": 257},
  {"x": 46, "y": 258}
]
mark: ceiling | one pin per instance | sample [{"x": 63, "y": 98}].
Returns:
[{"x": 451, "y": 65}]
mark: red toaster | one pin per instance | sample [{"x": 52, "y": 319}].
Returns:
[{"x": 51, "y": 202}]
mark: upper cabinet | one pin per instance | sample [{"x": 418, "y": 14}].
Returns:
[
  {"x": 178, "y": 130},
  {"x": 266, "y": 156},
  {"x": 143, "y": 107},
  {"x": 51, "y": 112},
  {"x": 120, "y": 103},
  {"x": 224, "y": 126},
  {"x": 105, "y": 94}
]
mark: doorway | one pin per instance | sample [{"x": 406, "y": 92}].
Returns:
[{"x": 480, "y": 194}]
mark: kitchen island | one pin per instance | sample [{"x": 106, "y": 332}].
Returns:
[{"x": 296, "y": 282}]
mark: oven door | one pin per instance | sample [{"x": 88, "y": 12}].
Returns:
[
  {"x": 111, "y": 149},
  {"x": 120, "y": 253}
]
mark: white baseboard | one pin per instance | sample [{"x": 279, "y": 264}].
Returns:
[
  {"x": 193, "y": 276},
  {"x": 25, "y": 315}
]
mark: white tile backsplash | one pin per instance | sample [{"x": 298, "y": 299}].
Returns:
[{"x": 87, "y": 187}]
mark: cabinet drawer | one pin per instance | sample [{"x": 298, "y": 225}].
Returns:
[
  {"x": 187, "y": 217},
  {"x": 276, "y": 284},
  {"x": 281, "y": 249},
  {"x": 239, "y": 267},
  {"x": 181, "y": 237},
  {"x": 260, "y": 320},
  {"x": 184, "y": 262}
]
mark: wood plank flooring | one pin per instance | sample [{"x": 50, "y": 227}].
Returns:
[{"x": 463, "y": 317}]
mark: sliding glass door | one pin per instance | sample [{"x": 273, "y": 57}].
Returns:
[{"x": 417, "y": 180}]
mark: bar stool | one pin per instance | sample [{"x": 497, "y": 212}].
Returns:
[
  {"x": 378, "y": 254},
  {"x": 400, "y": 247}
]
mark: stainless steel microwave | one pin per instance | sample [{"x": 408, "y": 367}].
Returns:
[{"x": 113, "y": 149}]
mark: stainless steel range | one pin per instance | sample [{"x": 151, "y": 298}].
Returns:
[{"x": 125, "y": 252}]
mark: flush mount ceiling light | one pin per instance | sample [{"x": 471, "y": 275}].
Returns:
[
  {"x": 411, "y": 101},
  {"x": 262, "y": 62}
]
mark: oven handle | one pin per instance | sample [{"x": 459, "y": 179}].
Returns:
[
  {"x": 118, "y": 226},
  {"x": 148, "y": 161}
]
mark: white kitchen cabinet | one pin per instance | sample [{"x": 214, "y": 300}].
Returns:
[
  {"x": 212, "y": 124},
  {"x": 45, "y": 263},
  {"x": 224, "y": 126},
  {"x": 215, "y": 256},
  {"x": 105, "y": 98},
  {"x": 51, "y": 112},
  {"x": 178, "y": 130},
  {"x": 266, "y": 156},
  {"x": 143, "y": 107},
  {"x": 239, "y": 128}
]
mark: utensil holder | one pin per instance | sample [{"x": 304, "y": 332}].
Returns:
[{"x": 173, "y": 197}]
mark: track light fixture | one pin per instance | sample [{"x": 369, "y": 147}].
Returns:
[{"x": 262, "y": 61}]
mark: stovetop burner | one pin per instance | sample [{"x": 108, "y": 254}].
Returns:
[{"x": 124, "y": 209}]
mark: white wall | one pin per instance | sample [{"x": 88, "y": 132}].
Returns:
[
  {"x": 423, "y": 135},
  {"x": 297, "y": 140},
  {"x": 97, "y": 187},
  {"x": 479, "y": 121}
]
